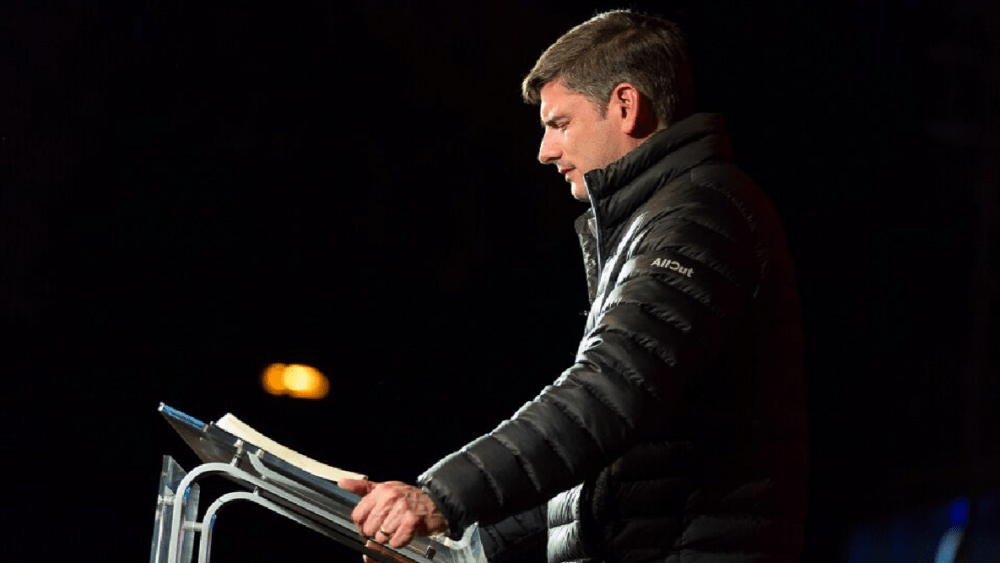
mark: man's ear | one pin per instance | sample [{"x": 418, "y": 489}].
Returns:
[{"x": 633, "y": 111}]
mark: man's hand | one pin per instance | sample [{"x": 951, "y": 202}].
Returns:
[{"x": 393, "y": 512}]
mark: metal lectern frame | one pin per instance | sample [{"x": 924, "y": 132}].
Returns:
[{"x": 275, "y": 485}]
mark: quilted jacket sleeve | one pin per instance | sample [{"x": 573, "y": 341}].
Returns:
[{"x": 684, "y": 272}]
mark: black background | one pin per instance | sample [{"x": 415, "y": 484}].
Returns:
[{"x": 191, "y": 191}]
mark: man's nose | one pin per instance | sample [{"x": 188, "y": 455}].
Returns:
[{"x": 549, "y": 150}]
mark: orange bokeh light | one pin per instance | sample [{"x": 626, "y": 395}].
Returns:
[
  {"x": 272, "y": 379},
  {"x": 295, "y": 380}
]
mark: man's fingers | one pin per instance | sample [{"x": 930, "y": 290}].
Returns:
[
  {"x": 360, "y": 487},
  {"x": 357, "y": 486},
  {"x": 394, "y": 513},
  {"x": 376, "y": 518},
  {"x": 403, "y": 523},
  {"x": 405, "y": 530},
  {"x": 392, "y": 523},
  {"x": 392, "y": 510},
  {"x": 399, "y": 539},
  {"x": 362, "y": 511},
  {"x": 385, "y": 498}
]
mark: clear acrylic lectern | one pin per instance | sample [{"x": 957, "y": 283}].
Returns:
[{"x": 276, "y": 485}]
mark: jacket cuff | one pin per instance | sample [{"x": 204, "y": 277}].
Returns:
[
  {"x": 448, "y": 510},
  {"x": 437, "y": 504}
]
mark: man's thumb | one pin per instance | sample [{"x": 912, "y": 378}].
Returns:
[{"x": 357, "y": 486}]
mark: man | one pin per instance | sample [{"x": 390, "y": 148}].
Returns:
[{"x": 679, "y": 434}]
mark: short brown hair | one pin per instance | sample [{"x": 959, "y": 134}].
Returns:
[{"x": 614, "y": 47}]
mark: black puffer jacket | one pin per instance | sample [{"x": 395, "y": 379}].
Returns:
[{"x": 679, "y": 434}]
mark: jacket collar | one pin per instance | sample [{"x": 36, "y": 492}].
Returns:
[{"x": 618, "y": 189}]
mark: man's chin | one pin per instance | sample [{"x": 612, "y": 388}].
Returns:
[{"x": 579, "y": 192}]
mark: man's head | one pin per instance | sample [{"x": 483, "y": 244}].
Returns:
[{"x": 632, "y": 73}]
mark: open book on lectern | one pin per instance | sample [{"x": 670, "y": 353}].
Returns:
[
  {"x": 243, "y": 431},
  {"x": 199, "y": 436},
  {"x": 281, "y": 480}
]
